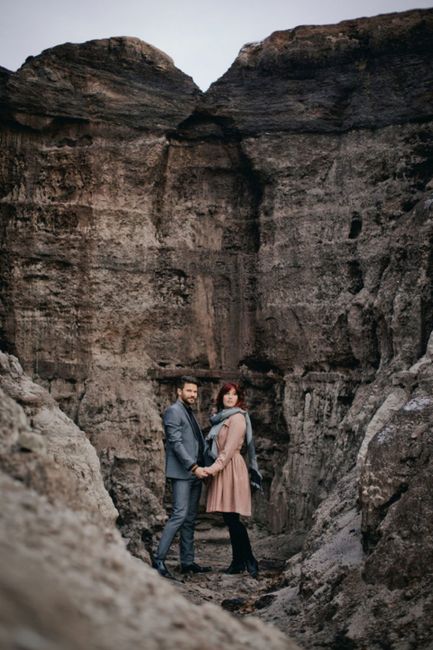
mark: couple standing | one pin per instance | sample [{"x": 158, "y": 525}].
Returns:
[{"x": 190, "y": 459}]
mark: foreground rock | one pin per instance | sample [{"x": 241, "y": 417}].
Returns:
[
  {"x": 68, "y": 583},
  {"x": 41, "y": 447}
]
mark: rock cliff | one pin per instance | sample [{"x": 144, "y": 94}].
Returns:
[
  {"x": 83, "y": 137},
  {"x": 277, "y": 228}
]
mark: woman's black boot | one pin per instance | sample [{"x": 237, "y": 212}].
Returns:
[
  {"x": 236, "y": 539},
  {"x": 252, "y": 566},
  {"x": 237, "y": 566}
]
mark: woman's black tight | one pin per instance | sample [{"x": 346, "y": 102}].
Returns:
[{"x": 240, "y": 541}]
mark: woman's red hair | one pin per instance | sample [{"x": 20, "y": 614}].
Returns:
[{"x": 226, "y": 388}]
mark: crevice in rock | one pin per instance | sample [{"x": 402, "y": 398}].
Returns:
[
  {"x": 157, "y": 214},
  {"x": 256, "y": 188},
  {"x": 7, "y": 314},
  {"x": 202, "y": 125},
  {"x": 371, "y": 537},
  {"x": 355, "y": 226},
  {"x": 343, "y": 642},
  {"x": 261, "y": 365},
  {"x": 384, "y": 340},
  {"x": 356, "y": 276},
  {"x": 427, "y": 302}
]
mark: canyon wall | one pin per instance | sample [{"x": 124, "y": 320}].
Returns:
[
  {"x": 83, "y": 136},
  {"x": 336, "y": 124},
  {"x": 267, "y": 230},
  {"x": 364, "y": 577}
]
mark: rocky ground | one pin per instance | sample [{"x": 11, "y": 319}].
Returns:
[{"x": 239, "y": 594}]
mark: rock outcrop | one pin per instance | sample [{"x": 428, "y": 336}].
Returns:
[
  {"x": 78, "y": 213},
  {"x": 364, "y": 578},
  {"x": 342, "y": 152},
  {"x": 277, "y": 228},
  {"x": 42, "y": 448},
  {"x": 333, "y": 78}
]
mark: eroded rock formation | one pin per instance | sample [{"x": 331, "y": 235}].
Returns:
[
  {"x": 78, "y": 210},
  {"x": 45, "y": 450},
  {"x": 277, "y": 228},
  {"x": 366, "y": 566}
]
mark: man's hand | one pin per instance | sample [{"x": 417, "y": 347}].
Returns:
[{"x": 200, "y": 472}]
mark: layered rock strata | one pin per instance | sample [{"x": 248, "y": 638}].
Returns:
[
  {"x": 331, "y": 122},
  {"x": 266, "y": 229},
  {"x": 80, "y": 191}
]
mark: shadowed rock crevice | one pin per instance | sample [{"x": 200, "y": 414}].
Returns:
[
  {"x": 427, "y": 301},
  {"x": 202, "y": 125},
  {"x": 355, "y": 226},
  {"x": 371, "y": 538}
]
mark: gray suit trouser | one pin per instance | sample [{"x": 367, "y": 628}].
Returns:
[{"x": 186, "y": 497}]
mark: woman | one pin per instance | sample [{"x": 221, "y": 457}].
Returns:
[{"x": 229, "y": 491}]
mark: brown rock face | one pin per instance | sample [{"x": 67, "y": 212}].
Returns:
[
  {"x": 78, "y": 231},
  {"x": 343, "y": 285},
  {"x": 117, "y": 81},
  {"x": 278, "y": 229}
]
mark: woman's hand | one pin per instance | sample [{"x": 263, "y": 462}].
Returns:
[{"x": 200, "y": 472}]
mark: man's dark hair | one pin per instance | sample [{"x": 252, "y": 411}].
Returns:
[{"x": 185, "y": 379}]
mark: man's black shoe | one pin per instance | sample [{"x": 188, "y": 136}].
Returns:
[
  {"x": 194, "y": 568},
  {"x": 159, "y": 565}
]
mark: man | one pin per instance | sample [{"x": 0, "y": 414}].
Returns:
[{"x": 185, "y": 455}]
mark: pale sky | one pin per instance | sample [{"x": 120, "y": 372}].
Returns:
[{"x": 202, "y": 36}]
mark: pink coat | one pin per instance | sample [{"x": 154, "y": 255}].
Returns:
[{"x": 229, "y": 489}]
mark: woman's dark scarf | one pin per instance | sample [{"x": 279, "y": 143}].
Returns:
[{"x": 217, "y": 422}]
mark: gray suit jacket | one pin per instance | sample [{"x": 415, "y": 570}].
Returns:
[{"x": 181, "y": 444}]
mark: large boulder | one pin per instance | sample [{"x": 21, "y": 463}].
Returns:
[{"x": 41, "y": 447}]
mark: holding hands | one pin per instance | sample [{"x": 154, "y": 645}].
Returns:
[{"x": 200, "y": 472}]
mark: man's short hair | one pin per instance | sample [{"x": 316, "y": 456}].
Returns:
[{"x": 186, "y": 379}]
